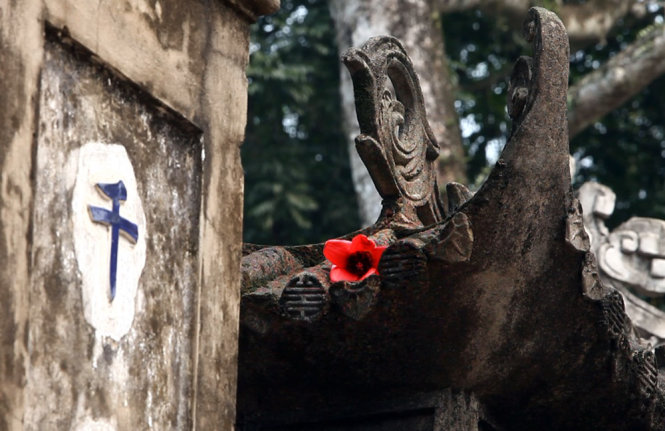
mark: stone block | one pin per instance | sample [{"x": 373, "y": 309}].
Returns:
[
  {"x": 95, "y": 130},
  {"x": 120, "y": 170}
]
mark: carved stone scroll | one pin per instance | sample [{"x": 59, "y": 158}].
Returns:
[
  {"x": 631, "y": 258},
  {"x": 396, "y": 142},
  {"x": 399, "y": 149}
]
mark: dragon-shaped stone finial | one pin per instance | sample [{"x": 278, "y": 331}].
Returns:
[
  {"x": 396, "y": 142},
  {"x": 400, "y": 152}
]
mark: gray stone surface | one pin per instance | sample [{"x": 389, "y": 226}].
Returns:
[
  {"x": 630, "y": 258},
  {"x": 166, "y": 80},
  {"x": 523, "y": 321},
  {"x": 81, "y": 102},
  {"x": 431, "y": 411}
]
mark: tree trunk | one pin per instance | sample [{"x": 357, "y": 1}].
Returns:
[{"x": 417, "y": 24}]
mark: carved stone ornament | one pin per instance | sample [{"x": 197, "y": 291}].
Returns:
[
  {"x": 631, "y": 258},
  {"x": 498, "y": 294},
  {"x": 400, "y": 152}
]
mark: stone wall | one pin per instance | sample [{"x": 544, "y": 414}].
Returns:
[{"x": 152, "y": 93}]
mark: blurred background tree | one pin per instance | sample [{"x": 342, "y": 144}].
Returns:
[
  {"x": 620, "y": 146},
  {"x": 297, "y": 179},
  {"x": 300, "y": 183}
]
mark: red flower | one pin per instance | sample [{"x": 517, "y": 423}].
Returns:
[{"x": 352, "y": 260}]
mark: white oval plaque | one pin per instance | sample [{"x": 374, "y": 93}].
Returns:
[{"x": 109, "y": 235}]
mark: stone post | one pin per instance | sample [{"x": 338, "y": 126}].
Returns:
[{"x": 121, "y": 210}]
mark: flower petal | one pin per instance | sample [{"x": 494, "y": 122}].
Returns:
[
  {"x": 376, "y": 254},
  {"x": 361, "y": 243},
  {"x": 340, "y": 274},
  {"x": 371, "y": 271},
  {"x": 337, "y": 251}
]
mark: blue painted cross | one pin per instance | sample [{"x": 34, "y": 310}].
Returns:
[{"x": 117, "y": 192}]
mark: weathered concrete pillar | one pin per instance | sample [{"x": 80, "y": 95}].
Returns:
[{"x": 121, "y": 206}]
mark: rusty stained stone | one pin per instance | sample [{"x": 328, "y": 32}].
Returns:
[{"x": 524, "y": 322}]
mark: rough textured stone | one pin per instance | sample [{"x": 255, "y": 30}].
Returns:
[
  {"x": 96, "y": 375},
  {"x": 431, "y": 411},
  {"x": 20, "y": 56},
  {"x": 400, "y": 151},
  {"x": 630, "y": 259},
  {"x": 166, "y": 79},
  {"x": 523, "y": 321},
  {"x": 417, "y": 24}
]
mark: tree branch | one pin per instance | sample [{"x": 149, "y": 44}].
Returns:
[
  {"x": 516, "y": 7},
  {"x": 623, "y": 76},
  {"x": 585, "y": 23},
  {"x": 612, "y": 84},
  {"x": 591, "y": 21}
]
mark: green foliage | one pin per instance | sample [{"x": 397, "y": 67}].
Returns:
[
  {"x": 481, "y": 50},
  {"x": 625, "y": 150},
  {"x": 298, "y": 185}
]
